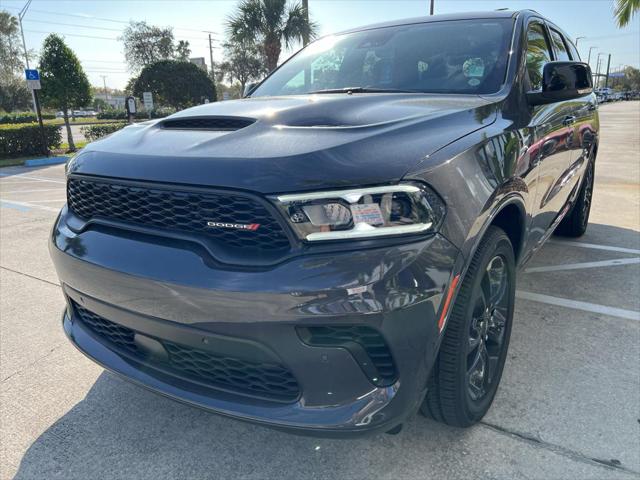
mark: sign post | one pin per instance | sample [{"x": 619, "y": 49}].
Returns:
[
  {"x": 33, "y": 82},
  {"x": 130, "y": 105},
  {"x": 147, "y": 98}
]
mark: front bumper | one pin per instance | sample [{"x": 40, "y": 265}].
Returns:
[{"x": 167, "y": 290}]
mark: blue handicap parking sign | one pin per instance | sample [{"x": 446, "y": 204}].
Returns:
[{"x": 32, "y": 74}]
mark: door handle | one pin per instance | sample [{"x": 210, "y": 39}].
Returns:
[{"x": 569, "y": 120}]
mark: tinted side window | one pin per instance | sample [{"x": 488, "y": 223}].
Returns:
[
  {"x": 538, "y": 54},
  {"x": 559, "y": 46}
]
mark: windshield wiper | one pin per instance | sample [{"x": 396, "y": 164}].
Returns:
[{"x": 349, "y": 90}]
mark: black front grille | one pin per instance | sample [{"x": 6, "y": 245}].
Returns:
[
  {"x": 270, "y": 381},
  {"x": 208, "y": 123},
  {"x": 180, "y": 211},
  {"x": 356, "y": 338}
]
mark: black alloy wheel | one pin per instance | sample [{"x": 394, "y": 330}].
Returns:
[
  {"x": 467, "y": 372},
  {"x": 486, "y": 332}
]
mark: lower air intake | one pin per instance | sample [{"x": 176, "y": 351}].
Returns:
[
  {"x": 366, "y": 345},
  {"x": 269, "y": 381}
]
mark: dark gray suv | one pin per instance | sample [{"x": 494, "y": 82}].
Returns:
[{"x": 339, "y": 249}]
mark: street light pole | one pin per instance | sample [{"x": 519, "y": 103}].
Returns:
[
  {"x": 21, "y": 15},
  {"x": 577, "y": 39},
  {"x": 598, "y": 69},
  {"x": 589, "y": 56},
  {"x": 431, "y": 7},
  {"x": 606, "y": 80}
]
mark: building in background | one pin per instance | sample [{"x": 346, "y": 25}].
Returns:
[
  {"x": 114, "y": 101},
  {"x": 199, "y": 61}
]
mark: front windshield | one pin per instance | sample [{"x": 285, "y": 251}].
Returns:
[{"x": 456, "y": 56}]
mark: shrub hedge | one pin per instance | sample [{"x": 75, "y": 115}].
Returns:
[
  {"x": 94, "y": 132},
  {"x": 24, "y": 139},
  {"x": 26, "y": 117},
  {"x": 113, "y": 114}
]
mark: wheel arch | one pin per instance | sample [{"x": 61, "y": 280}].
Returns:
[
  {"x": 510, "y": 215},
  {"x": 511, "y": 218}
]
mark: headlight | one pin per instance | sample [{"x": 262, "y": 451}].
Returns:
[{"x": 363, "y": 212}]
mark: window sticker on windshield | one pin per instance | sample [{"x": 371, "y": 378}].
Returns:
[
  {"x": 474, "y": 82},
  {"x": 367, "y": 213},
  {"x": 474, "y": 67}
]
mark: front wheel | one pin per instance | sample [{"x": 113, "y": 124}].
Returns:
[{"x": 469, "y": 366}]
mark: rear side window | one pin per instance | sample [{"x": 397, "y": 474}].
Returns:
[
  {"x": 559, "y": 46},
  {"x": 575, "y": 56},
  {"x": 538, "y": 54}
]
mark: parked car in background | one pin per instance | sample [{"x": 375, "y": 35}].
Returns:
[{"x": 338, "y": 250}]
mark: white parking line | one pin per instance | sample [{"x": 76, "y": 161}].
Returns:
[
  {"x": 579, "y": 266},
  {"x": 12, "y": 203},
  {"x": 61, "y": 190},
  {"x": 576, "y": 305},
  {"x": 594, "y": 246},
  {"x": 38, "y": 179}
]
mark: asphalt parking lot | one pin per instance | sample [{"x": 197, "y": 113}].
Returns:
[{"x": 568, "y": 406}]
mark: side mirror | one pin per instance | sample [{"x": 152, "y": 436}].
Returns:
[
  {"x": 562, "y": 81},
  {"x": 249, "y": 88}
]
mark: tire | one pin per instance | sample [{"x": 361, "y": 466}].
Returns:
[
  {"x": 459, "y": 393},
  {"x": 576, "y": 222}
]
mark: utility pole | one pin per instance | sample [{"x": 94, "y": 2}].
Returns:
[
  {"x": 21, "y": 15},
  {"x": 598, "y": 69},
  {"x": 213, "y": 77},
  {"x": 305, "y": 8},
  {"x": 431, "y": 7},
  {"x": 211, "y": 53},
  {"x": 606, "y": 80},
  {"x": 104, "y": 82}
]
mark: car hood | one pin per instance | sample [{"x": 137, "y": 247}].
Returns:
[{"x": 292, "y": 143}]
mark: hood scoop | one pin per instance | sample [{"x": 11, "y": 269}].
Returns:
[{"x": 224, "y": 124}]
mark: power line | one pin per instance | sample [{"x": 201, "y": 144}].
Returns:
[
  {"x": 103, "y": 61},
  {"x": 102, "y": 19},
  {"x": 73, "y": 35},
  {"x": 75, "y": 25},
  {"x": 203, "y": 38},
  {"x": 204, "y": 43}
]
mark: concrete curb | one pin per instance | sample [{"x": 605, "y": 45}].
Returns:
[{"x": 37, "y": 162}]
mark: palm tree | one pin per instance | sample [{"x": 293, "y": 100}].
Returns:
[
  {"x": 270, "y": 23},
  {"x": 625, "y": 10}
]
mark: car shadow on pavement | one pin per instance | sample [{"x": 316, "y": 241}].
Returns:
[
  {"x": 123, "y": 431},
  {"x": 120, "y": 430}
]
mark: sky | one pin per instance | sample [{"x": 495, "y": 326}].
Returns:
[{"x": 92, "y": 27}]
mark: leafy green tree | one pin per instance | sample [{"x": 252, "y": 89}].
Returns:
[
  {"x": 145, "y": 44},
  {"x": 11, "y": 54},
  {"x": 174, "y": 83},
  {"x": 14, "y": 94},
  {"x": 625, "y": 10},
  {"x": 64, "y": 84},
  {"x": 243, "y": 63},
  {"x": 182, "y": 51},
  {"x": 270, "y": 23}
]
